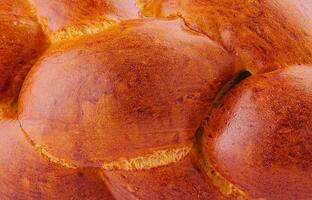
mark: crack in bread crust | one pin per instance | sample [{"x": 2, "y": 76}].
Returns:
[
  {"x": 226, "y": 187},
  {"x": 74, "y": 32},
  {"x": 45, "y": 154},
  {"x": 155, "y": 159}
]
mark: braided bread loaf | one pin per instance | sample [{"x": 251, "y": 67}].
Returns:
[{"x": 155, "y": 99}]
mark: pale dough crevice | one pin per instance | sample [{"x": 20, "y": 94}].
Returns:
[
  {"x": 154, "y": 159},
  {"x": 72, "y": 32},
  {"x": 46, "y": 155},
  {"x": 78, "y": 31},
  {"x": 224, "y": 186}
]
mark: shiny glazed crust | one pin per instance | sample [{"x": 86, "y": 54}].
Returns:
[
  {"x": 266, "y": 34},
  {"x": 26, "y": 175},
  {"x": 120, "y": 93},
  {"x": 260, "y": 135},
  {"x": 155, "y": 99},
  {"x": 21, "y": 42}
]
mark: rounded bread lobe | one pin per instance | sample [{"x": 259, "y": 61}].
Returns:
[
  {"x": 180, "y": 180},
  {"x": 141, "y": 86},
  {"x": 260, "y": 137},
  {"x": 266, "y": 35},
  {"x": 21, "y": 41},
  {"x": 27, "y": 176}
]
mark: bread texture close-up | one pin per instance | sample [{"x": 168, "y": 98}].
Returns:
[{"x": 156, "y": 99}]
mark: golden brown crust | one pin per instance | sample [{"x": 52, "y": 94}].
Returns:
[
  {"x": 21, "y": 41},
  {"x": 141, "y": 86},
  {"x": 260, "y": 137},
  {"x": 298, "y": 12},
  {"x": 180, "y": 180},
  {"x": 64, "y": 19},
  {"x": 59, "y": 14},
  {"x": 266, "y": 34},
  {"x": 118, "y": 102},
  {"x": 26, "y": 176}
]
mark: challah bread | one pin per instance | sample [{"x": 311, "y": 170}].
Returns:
[
  {"x": 260, "y": 136},
  {"x": 64, "y": 19},
  {"x": 127, "y": 92},
  {"x": 21, "y": 41},
  {"x": 180, "y": 180},
  {"x": 26, "y": 175},
  {"x": 266, "y": 34},
  {"x": 147, "y": 99}
]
